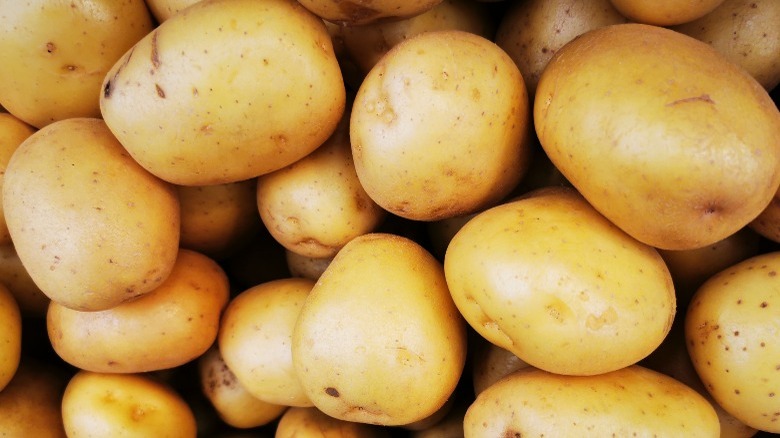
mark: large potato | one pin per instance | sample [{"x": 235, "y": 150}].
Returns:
[
  {"x": 440, "y": 126},
  {"x": 30, "y": 403},
  {"x": 632, "y": 401},
  {"x": 357, "y": 12},
  {"x": 92, "y": 227},
  {"x": 225, "y": 91},
  {"x": 167, "y": 327},
  {"x": 666, "y": 138},
  {"x": 56, "y": 52},
  {"x": 10, "y": 336},
  {"x": 12, "y": 133},
  {"x": 554, "y": 282},
  {"x": 731, "y": 329},
  {"x": 378, "y": 339}
]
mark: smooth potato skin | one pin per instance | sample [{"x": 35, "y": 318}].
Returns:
[
  {"x": 632, "y": 400},
  {"x": 360, "y": 12},
  {"x": 10, "y": 336},
  {"x": 311, "y": 422},
  {"x": 13, "y": 132},
  {"x": 664, "y": 12},
  {"x": 30, "y": 403},
  {"x": 32, "y": 302}
]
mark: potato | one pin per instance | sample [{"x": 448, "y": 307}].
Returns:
[
  {"x": 648, "y": 123},
  {"x": 30, "y": 403},
  {"x": 317, "y": 204},
  {"x": 440, "y": 126},
  {"x": 518, "y": 275},
  {"x": 12, "y": 133},
  {"x": 357, "y": 12},
  {"x": 233, "y": 403},
  {"x": 532, "y": 31},
  {"x": 165, "y": 9},
  {"x": 91, "y": 226},
  {"x": 378, "y": 339},
  {"x": 312, "y": 423},
  {"x": 664, "y": 12},
  {"x": 366, "y": 44},
  {"x": 10, "y": 336},
  {"x": 746, "y": 33},
  {"x": 767, "y": 223},
  {"x": 731, "y": 327},
  {"x": 491, "y": 363},
  {"x": 56, "y": 53},
  {"x": 451, "y": 426},
  {"x": 306, "y": 267},
  {"x": 167, "y": 327},
  {"x": 218, "y": 219},
  {"x": 32, "y": 302},
  {"x": 225, "y": 91},
  {"x": 632, "y": 401},
  {"x": 255, "y": 338},
  {"x": 127, "y": 405}
]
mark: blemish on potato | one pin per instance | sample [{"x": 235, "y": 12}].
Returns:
[
  {"x": 160, "y": 91},
  {"x": 333, "y": 392},
  {"x": 155, "y": 57}
]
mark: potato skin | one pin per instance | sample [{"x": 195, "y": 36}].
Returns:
[
  {"x": 649, "y": 123},
  {"x": 311, "y": 422},
  {"x": 185, "y": 100},
  {"x": 10, "y": 336},
  {"x": 31, "y": 300},
  {"x": 360, "y": 12},
  {"x": 664, "y": 12},
  {"x": 92, "y": 227},
  {"x": 731, "y": 328},
  {"x": 13, "y": 132},
  {"x": 30, "y": 403},
  {"x": 629, "y": 400},
  {"x": 518, "y": 276}
]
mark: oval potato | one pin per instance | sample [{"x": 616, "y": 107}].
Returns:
[{"x": 30, "y": 403}]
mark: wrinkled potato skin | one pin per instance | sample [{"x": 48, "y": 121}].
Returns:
[
  {"x": 634, "y": 399},
  {"x": 312, "y": 423},
  {"x": 12, "y": 133},
  {"x": 30, "y": 403},
  {"x": 61, "y": 50},
  {"x": 10, "y": 336},
  {"x": 664, "y": 12},
  {"x": 359, "y": 12},
  {"x": 92, "y": 227},
  {"x": 186, "y": 99},
  {"x": 32, "y": 302},
  {"x": 128, "y": 405},
  {"x": 169, "y": 326},
  {"x": 731, "y": 328}
]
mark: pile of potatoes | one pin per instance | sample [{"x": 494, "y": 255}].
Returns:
[{"x": 430, "y": 218}]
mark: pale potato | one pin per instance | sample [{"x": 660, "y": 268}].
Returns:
[
  {"x": 12, "y": 133},
  {"x": 518, "y": 274},
  {"x": 31, "y": 300},
  {"x": 225, "y": 91},
  {"x": 491, "y": 363},
  {"x": 731, "y": 328},
  {"x": 357, "y": 12},
  {"x": 165, "y": 9},
  {"x": 631, "y": 401},
  {"x": 10, "y": 336},
  {"x": 746, "y": 32},
  {"x": 167, "y": 327},
  {"x": 126, "y": 405},
  {"x": 440, "y": 126},
  {"x": 255, "y": 338},
  {"x": 664, "y": 12},
  {"x": 56, "y": 53},
  {"x": 379, "y": 339},
  {"x": 306, "y": 267},
  {"x": 648, "y": 123},
  {"x": 30, "y": 403},
  {"x": 313, "y": 423},
  {"x": 91, "y": 226}
]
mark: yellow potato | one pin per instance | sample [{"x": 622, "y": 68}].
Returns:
[
  {"x": 12, "y": 133},
  {"x": 233, "y": 403},
  {"x": 378, "y": 323},
  {"x": 92, "y": 227},
  {"x": 767, "y": 223},
  {"x": 519, "y": 276},
  {"x": 126, "y": 405},
  {"x": 30, "y": 403},
  {"x": 167, "y": 327},
  {"x": 165, "y": 9},
  {"x": 632, "y": 401},
  {"x": 255, "y": 338},
  {"x": 56, "y": 53},
  {"x": 225, "y": 91},
  {"x": 32, "y": 302},
  {"x": 312, "y": 423},
  {"x": 491, "y": 363},
  {"x": 10, "y": 336},
  {"x": 306, "y": 267},
  {"x": 451, "y": 426},
  {"x": 747, "y": 33},
  {"x": 731, "y": 329},
  {"x": 358, "y": 12},
  {"x": 440, "y": 126},
  {"x": 664, "y": 12},
  {"x": 666, "y": 138}
]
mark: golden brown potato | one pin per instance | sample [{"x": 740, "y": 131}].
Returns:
[
  {"x": 664, "y": 12},
  {"x": 312, "y": 423},
  {"x": 30, "y": 403},
  {"x": 10, "y": 336},
  {"x": 32, "y": 302},
  {"x": 12, "y": 133},
  {"x": 356, "y": 12}
]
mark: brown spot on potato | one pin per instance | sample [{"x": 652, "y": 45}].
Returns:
[
  {"x": 160, "y": 91},
  {"x": 155, "y": 57},
  {"x": 331, "y": 391},
  {"x": 509, "y": 433},
  {"x": 50, "y": 47},
  {"x": 702, "y": 98}
]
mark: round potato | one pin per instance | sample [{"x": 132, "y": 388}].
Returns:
[
  {"x": 311, "y": 422},
  {"x": 518, "y": 276},
  {"x": 56, "y": 53},
  {"x": 255, "y": 340},
  {"x": 126, "y": 405},
  {"x": 632, "y": 401},
  {"x": 92, "y": 227},
  {"x": 649, "y": 123},
  {"x": 187, "y": 99},
  {"x": 746, "y": 33},
  {"x": 31, "y": 300},
  {"x": 377, "y": 323},
  {"x": 12, "y": 133},
  {"x": 10, "y": 336},
  {"x": 30, "y": 403},
  {"x": 664, "y": 12},
  {"x": 731, "y": 328},
  {"x": 306, "y": 267},
  {"x": 357, "y": 12},
  {"x": 167, "y": 327},
  {"x": 440, "y": 126}
]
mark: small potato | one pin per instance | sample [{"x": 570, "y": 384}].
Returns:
[
  {"x": 632, "y": 401},
  {"x": 664, "y": 12},
  {"x": 126, "y": 405},
  {"x": 312, "y": 423},
  {"x": 747, "y": 33},
  {"x": 32, "y": 302},
  {"x": 491, "y": 363},
  {"x": 255, "y": 338},
  {"x": 170, "y": 326},
  {"x": 30, "y": 403},
  {"x": 731, "y": 330},
  {"x": 440, "y": 126},
  {"x": 10, "y": 336},
  {"x": 357, "y": 12},
  {"x": 519, "y": 277},
  {"x": 57, "y": 52},
  {"x": 12, "y": 133},
  {"x": 233, "y": 403},
  {"x": 306, "y": 267},
  {"x": 91, "y": 226}
]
